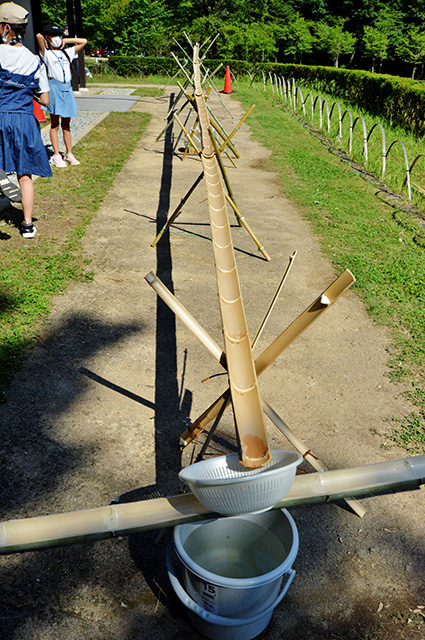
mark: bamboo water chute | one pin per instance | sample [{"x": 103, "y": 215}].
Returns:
[
  {"x": 255, "y": 450},
  {"x": 217, "y": 409},
  {"x": 128, "y": 518}
]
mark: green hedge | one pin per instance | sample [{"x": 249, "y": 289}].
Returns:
[{"x": 400, "y": 101}]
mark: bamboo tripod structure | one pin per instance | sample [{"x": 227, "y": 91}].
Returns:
[{"x": 241, "y": 220}]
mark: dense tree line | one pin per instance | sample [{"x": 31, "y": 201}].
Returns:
[{"x": 368, "y": 34}]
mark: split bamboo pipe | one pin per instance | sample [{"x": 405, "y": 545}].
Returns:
[
  {"x": 133, "y": 517},
  {"x": 243, "y": 383}
]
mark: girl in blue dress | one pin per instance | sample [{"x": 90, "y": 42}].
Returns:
[{"x": 22, "y": 77}]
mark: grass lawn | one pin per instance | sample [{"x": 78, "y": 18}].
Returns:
[{"x": 32, "y": 271}]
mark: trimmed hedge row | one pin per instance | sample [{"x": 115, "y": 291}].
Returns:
[{"x": 399, "y": 101}]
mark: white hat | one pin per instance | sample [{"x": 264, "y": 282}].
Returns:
[{"x": 12, "y": 13}]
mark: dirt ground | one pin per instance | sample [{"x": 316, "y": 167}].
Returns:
[{"x": 96, "y": 413}]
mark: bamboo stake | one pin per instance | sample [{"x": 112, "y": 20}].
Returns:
[
  {"x": 208, "y": 48},
  {"x": 273, "y": 302},
  {"x": 306, "y": 453},
  {"x": 179, "y": 95},
  {"x": 169, "y": 82},
  {"x": 178, "y": 209},
  {"x": 128, "y": 518},
  {"x": 181, "y": 67},
  {"x": 169, "y": 124},
  {"x": 242, "y": 222},
  {"x": 238, "y": 126},
  {"x": 165, "y": 294},
  {"x": 187, "y": 134},
  {"x": 242, "y": 377},
  {"x": 282, "y": 342}
]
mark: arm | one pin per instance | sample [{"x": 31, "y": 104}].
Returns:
[
  {"x": 43, "y": 98},
  {"x": 79, "y": 43},
  {"x": 41, "y": 43}
]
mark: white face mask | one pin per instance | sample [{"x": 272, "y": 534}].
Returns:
[{"x": 56, "y": 41}]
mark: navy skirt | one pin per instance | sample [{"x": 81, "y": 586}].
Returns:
[
  {"x": 21, "y": 147},
  {"x": 61, "y": 99}
]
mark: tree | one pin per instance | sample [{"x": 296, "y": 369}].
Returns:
[
  {"x": 296, "y": 38},
  {"x": 375, "y": 44},
  {"x": 412, "y": 48},
  {"x": 334, "y": 40},
  {"x": 138, "y": 26}
]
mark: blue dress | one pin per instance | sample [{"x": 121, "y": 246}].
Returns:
[{"x": 21, "y": 147}]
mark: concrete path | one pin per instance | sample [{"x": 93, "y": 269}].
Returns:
[{"x": 96, "y": 414}]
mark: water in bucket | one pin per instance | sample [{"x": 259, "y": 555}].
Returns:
[{"x": 244, "y": 552}]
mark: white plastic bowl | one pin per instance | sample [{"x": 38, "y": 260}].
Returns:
[{"x": 224, "y": 486}]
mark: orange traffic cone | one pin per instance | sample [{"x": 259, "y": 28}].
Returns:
[
  {"x": 38, "y": 112},
  {"x": 227, "y": 82}
]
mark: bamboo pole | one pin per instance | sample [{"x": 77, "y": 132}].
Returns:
[
  {"x": 243, "y": 383},
  {"x": 242, "y": 222},
  {"x": 128, "y": 518},
  {"x": 165, "y": 294},
  {"x": 307, "y": 454},
  {"x": 177, "y": 209},
  {"x": 273, "y": 302},
  {"x": 238, "y": 126},
  {"x": 282, "y": 342},
  {"x": 187, "y": 134}
]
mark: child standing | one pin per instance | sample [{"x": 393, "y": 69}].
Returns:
[
  {"x": 22, "y": 77},
  {"x": 62, "y": 106}
]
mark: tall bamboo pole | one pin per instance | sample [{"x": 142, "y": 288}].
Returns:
[{"x": 242, "y": 377}]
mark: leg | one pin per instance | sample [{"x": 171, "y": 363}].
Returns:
[
  {"x": 27, "y": 190},
  {"x": 54, "y": 130},
  {"x": 66, "y": 130}
]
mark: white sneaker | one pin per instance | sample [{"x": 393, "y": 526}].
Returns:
[
  {"x": 72, "y": 159},
  {"x": 58, "y": 161}
]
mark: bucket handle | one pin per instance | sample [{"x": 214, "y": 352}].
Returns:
[{"x": 213, "y": 617}]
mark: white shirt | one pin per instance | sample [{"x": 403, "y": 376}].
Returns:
[
  {"x": 57, "y": 63},
  {"x": 21, "y": 60}
]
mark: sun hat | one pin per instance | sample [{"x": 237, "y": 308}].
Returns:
[
  {"x": 53, "y": 30},
  {"x": 11, "y": 13}
]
